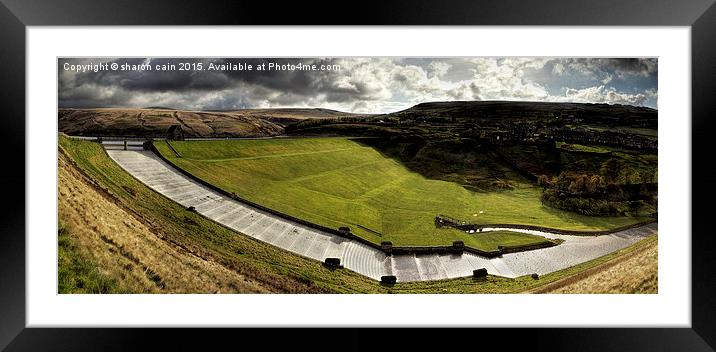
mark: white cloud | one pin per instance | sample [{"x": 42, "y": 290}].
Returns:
[
  {"x": 504, "y": 79},
  {"x": 439, "y": 69},
  {"x": 603, "y": 94},
  {"x": 558, "y": 69}
]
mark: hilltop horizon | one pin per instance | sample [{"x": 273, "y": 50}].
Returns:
[{"x": 297, "y": 108}]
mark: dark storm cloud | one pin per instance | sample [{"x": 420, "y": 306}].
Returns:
[
  {"x": 154, "y": 80},
  {"x": 621, "y": 67},
  {"x": 284, "y": 86},
  {"x": 642, "y": 67},
  {"x": 300, "y": 82}
]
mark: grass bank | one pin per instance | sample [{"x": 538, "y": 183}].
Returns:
[{"x": 75, "y": 272}]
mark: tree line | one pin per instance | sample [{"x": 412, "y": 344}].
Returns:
[{"x": 616, "y": 190}]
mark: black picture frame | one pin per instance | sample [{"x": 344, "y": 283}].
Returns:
[{"x": 15, "y": 15}]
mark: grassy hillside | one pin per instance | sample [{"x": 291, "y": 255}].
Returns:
[
  {"x": 97, "y": 198},
  {"x": 602, "y": 114},
  {"x": 340, "y": 182},
  {"x": 76, "y": 273},
  {"x": 103, "y": 248}
]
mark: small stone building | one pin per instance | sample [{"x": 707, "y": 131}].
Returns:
[{"x": 175, "y": 133}]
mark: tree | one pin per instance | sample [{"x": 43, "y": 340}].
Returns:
[
  {"x": 595, "y": 184},
  {"x": 611, "y": 169},
  {"x": 584, "y": 184},
  {"x": 543, "y": 181},
  {"x": 628, "y": 176},
  {"x": 634, "y": 207}
]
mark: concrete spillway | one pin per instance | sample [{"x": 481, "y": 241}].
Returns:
[{"x": 356, "y": 256}]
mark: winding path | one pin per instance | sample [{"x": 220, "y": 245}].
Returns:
[{"x": 355, "y": 256}]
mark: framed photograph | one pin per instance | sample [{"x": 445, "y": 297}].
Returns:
[{"x": 504, "y": 166}]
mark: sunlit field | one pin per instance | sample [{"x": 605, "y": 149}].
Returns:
[{"x": 340, "y": 182}]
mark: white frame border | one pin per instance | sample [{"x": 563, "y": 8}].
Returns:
[{"x": 670, "y": 307}]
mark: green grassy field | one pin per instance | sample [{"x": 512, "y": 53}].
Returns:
[
  {"x": 582, "y": 148},
  {"x": 340, "y": 182},
  {"x": 281, "y": 270}
]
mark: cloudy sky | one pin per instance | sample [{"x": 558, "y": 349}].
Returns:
[{"x": 366, "y": 85}]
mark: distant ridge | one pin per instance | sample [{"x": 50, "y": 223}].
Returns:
[
  {"x": 155, "y": 122},
  {"x": 615, "y": 114},
  {"x": 299, "y": 113},
  {"x": 482, "y": 105},
  {"x": 158, "y": 108},
  {"x": 287, "y": 116}
]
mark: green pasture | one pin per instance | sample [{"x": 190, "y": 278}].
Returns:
[{"x": 341, "y": 182}]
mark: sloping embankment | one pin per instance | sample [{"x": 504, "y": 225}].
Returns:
[
  {"x": 634, "y": 272},
  {"x": 131, "y": 256}
]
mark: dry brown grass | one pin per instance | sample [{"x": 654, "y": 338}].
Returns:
[
  {"x": 296, "y": 113},
  {"x": 127, "y": 250},
  {"x": 634, "y": 272},
  {"x": 156, "y": 122}
]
